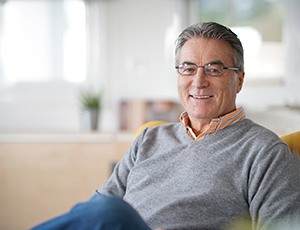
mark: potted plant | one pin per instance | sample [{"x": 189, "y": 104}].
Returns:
[{"x": 90, "y": 103}]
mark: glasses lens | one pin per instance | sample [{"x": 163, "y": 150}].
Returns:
[
  {"x": 214, "y": 69},
  {"x": 187, "y": 69}
]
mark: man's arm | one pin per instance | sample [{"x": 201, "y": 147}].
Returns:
[
  {"x": 274, "y": 182},
  {"x": 117, "y": 182}
]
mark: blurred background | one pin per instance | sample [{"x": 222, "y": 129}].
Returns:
[
  {"x": 121, "y": 52},
  {"x": 51, "y": 48}
]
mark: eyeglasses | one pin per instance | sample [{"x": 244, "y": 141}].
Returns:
[{"x": 210, "y": 69}]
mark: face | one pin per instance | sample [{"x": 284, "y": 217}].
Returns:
[{"x": 205, "y": 97}]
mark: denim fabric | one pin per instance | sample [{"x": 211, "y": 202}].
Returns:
[{"x": 100, "y": 212}]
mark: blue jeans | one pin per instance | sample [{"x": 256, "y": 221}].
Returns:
[{"x": 100, "y": 212}]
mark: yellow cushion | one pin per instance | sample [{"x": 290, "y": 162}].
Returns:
[
  {"x": 147, "y": 125},
  {"x": 293, "y": 141}
]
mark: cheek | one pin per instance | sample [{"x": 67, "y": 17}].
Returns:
[
  {"x": 181, "y": 85},
  {"x": 228, "y": 90},
  {"x": 232, "y": 91},
  {"x": 180, "y": 89}
]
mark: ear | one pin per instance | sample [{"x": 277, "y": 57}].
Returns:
[{"x": 240, "y": 76}]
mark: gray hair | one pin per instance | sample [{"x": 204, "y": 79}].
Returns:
[{"x": 212, "y": 30}]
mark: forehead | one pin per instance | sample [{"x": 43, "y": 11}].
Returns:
[{"x": 203, "y": 50}]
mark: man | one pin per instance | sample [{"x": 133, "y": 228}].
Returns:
[{"x": 209, "y": 171}]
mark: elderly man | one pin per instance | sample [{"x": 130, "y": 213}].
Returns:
[{"x": 210, "y": 170}]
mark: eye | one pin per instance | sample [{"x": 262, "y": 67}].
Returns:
[
  {"x": 188, "y": 69},
  {"x": 214, "y": 70}
]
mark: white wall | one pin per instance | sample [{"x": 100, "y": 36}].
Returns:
[{"x": 291, "y": 37}]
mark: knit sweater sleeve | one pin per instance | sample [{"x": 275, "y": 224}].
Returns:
[
  {"x": 273, "y": 192},
  {"x": 117, "y": 182}
]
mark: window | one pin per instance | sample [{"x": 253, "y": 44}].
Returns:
[
  {"x": 258, "y": 23},
  {"x": 42, "y": 61},
  {"x": 43, "y": 41}
]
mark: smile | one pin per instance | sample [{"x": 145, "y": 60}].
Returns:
[{"x": 201, "y": 96}]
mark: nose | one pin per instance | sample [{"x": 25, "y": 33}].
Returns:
[{"x": 200, "y": 79}]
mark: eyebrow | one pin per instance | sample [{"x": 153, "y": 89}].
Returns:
[
  {"x": 188, "y": 63},
  {"x": 216, "y": 62}
]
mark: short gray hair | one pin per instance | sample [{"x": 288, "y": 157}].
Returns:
[{"x": 212, "y": 30}]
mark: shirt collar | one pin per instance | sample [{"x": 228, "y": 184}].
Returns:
[{"x": 215, "y": 124}]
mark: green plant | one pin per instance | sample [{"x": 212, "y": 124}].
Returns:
[{"x": 90, "y": 98}]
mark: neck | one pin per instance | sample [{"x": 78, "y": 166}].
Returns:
[{"x": 200, "y": 127}]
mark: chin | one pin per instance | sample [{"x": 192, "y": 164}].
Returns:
[{"x": 201, "y": 116}]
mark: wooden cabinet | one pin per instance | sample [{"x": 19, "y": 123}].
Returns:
[{"x": 45, "y": 175}]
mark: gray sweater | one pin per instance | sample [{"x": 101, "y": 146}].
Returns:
[{"x": 175, "y": 182}]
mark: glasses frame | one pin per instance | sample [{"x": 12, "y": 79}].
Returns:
[{"x": 205, "y": 68}]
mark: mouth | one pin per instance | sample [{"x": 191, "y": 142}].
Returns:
[{"x": 201, "y": 96}]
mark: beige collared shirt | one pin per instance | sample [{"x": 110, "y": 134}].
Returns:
[{"x": 215, "y": 124}]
